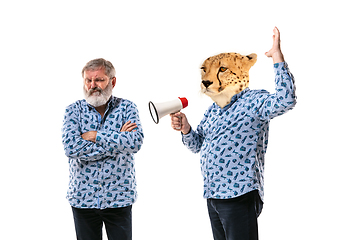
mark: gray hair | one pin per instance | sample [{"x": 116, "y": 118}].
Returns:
[{"x": 99, "y": 63}]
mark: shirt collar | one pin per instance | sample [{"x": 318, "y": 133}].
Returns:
[
  {"x": 111, "y": 101},
  {"x": 239, "y": 95},
  {"x": 233, "y": 100}
]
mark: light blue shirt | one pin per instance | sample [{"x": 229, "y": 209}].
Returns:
[
  {"x": 232, "y": 141},
  {"x": 102, "y": 174}
]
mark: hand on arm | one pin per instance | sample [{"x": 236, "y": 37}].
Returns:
[
  {"x": 90, "y": 136},
  {"x": 275, "y": 52},
  {"x": 128, "y": 127},
  {"x": 73, "y": 140},
  {"x": 128, "y": 137}
]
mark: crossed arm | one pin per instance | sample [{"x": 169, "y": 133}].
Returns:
[
  {"x": 94, "y": 145},
  {"x": 92, "y": 135}
]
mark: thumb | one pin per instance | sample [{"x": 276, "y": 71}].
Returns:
[
  {"x": 177, "y": 114},
  {"x": 269, "y": 53}
]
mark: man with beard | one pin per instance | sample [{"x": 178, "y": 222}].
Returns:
[{"x": 100, "y": 136}]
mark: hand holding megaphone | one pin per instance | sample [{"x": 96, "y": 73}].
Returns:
[
  {"x": 179, "y": 122},
  {"x": 159, "y": 110}
]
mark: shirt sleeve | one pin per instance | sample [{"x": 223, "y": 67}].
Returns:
[
  {"x": 123, "y": 142},
  {"x": 74, "y": 145},
  {"x": 194, "y": 139},
  {"x": 284, "y": 98}
]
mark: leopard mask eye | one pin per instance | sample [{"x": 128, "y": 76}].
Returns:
[{"x": 222, "y": 69}]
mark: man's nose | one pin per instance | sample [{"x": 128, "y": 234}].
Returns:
[{"x": 93, "y": 84}]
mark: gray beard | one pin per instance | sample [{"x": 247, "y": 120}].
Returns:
[{"x": 100, "y": 97}]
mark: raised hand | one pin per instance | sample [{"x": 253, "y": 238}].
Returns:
[{"x": 275, "y": 52}]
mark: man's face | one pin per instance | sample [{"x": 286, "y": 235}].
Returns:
[{"x": 97, "y": 87}]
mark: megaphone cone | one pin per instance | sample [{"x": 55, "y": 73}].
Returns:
[{"x": 158, "y": 110}]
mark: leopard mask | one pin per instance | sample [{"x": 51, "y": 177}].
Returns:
[{"x": 225, "y": 75}]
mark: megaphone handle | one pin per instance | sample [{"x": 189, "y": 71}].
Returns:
[{"x": 180, "y": 123}]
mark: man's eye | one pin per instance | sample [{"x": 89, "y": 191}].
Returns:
[
  {"x": 99, "y": 80},
  {"x": 222, "y": 69}
]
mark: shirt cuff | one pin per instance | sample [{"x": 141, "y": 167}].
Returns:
[
  {"x": 100, "y": 139},
  {"x": 280, "y": 66},
  {"x": 187, "y": 137}
]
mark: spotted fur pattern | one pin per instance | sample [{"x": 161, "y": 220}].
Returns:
[{"x": 225, "y": 75}]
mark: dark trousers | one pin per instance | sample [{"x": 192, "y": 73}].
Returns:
[
  {"x": 235, "y": 218},
  {"x": 88, "y": 223}
]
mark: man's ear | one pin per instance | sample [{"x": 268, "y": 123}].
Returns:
[{"x": 114, "y": 81}]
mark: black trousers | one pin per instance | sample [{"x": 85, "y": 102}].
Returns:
[
  {"x": 88, "y": 223},
  {"x": 235, "y": 218}
]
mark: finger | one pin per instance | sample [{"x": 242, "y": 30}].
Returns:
[
  {"x": 126, "y": 126},
  {"x": 177, "y": 114},
  {"x": 176, "y": 127},
  {"x": 130, "y": 128},
  {"x": 127, "y": 130},
  {"x": 177, "y": 123},
  {"x": 172, "y": 116},
  {"x": 175, "y": 118},
  {"x": 131, "y": 125},
  {"x": 276, "y": 35},
  {"x": 276, "y": 31}
]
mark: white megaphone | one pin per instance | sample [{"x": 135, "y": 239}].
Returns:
[{"x": 158, "y": 110}]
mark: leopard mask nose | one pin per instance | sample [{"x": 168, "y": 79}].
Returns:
[{"x": 206, "y": 83}]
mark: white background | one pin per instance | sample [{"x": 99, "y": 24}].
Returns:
[{"x": 157, "y": 48}]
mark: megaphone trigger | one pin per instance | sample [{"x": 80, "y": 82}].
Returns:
[{"x": 159, "y": 110}]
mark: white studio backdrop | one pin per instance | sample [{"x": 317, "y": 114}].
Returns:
[{"x": 157, "y": 48}]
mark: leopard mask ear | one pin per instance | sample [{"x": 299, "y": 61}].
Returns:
[{"x": 249, "y": 61}]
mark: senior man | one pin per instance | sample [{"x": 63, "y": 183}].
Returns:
[{"x": 101, "y": 134}]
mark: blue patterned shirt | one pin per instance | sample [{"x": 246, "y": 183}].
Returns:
[
  {"x": 233, "y": 140},
  {"x": 102, "y": 174}
]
